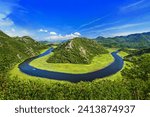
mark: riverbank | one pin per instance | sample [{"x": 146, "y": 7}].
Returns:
[{"x": 97, "y": 63}]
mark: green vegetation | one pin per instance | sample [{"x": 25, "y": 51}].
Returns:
[
  {"x": 26, "y": 87},
  {"x": 77, "y": 51},
  {"x": 131, "y": 83},
  {"x": 122, "y": 54},
  {"x": 30, "y": 88},
  {"x": 97, "y": 63},
  {"x": 140, "y": 69},
  {"x": 141, "y": 40},
  {"x": 137, "y": 53},
  {"x": 17, "y": 49}
]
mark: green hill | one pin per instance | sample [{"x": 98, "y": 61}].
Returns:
[
  {"x": 16, "y": 49},
  {"x": 77, "y": 51},
  {"x": 141, "y": 40}
]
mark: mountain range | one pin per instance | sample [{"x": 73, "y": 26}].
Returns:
[{"x": 139, "y": 40}]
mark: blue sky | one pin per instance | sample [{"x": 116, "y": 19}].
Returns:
[{"x": 65, "y": 19}]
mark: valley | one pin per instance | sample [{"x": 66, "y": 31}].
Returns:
[{"x": 82, "y": 57}]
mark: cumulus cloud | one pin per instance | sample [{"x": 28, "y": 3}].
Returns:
[
  {"x": 62, "y": 37},
  {"x": 43, "y": 30},
  {"x": 53, "y": 33},
  {"x": 77, "y": 33}
]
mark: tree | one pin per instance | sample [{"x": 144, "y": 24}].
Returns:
[{"x": 140, "y": 68}]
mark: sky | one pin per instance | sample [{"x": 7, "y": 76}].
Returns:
[{"x": 66, "y": 19}]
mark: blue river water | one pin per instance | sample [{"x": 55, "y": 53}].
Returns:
[{"x": 111, "y": 69}]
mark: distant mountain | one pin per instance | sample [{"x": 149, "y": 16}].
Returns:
[
  {"x": 16, "y": 49},
  {"x": 77, "y": 51},
  {"x": 50, "y": 44},
  {"x": 140, "y": 40},
  {"x": 54, "y": 41},
  {"x": 44, "y": 42}
]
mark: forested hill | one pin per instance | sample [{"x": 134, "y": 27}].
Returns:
[
  {"x": 77, "y": 51},
  {"x": 141, "y": 40},
  {"x": 16, "y": 49}
]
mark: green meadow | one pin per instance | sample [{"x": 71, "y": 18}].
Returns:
[{"x": 97, "y": 63}]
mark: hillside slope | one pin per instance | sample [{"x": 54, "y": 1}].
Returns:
[
  {"x": 141, "y": 40},
  {"x": 77, "y": 51},
  {"x": 16, "y": 49}
]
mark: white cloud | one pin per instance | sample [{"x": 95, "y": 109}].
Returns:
[
  {"x": 6, "y": 9},
  {"x": 2, "y": 15},
  {"x": 121, "y": 27},
  {"x": 92, "y": 22},
  {"x": 124, "y": 26},
  {"x": 62, "y": 37},
  {"x": 134, "y": 4},
  {"x": 53, "y": 33},
  {"x": 77, "y": 33},
  {"x": 99, "y": 26},
  {"x": 17, "y": 32},
  {"x": 141, "y": 4},
  {"x": 43, "y": 30},
  {"x": 6, "y": 22},
  {"x": 13, "y": 30},
  {"x": 128, "y": 33}
]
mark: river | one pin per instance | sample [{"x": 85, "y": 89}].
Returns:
[{"x": 111, "y": 69}]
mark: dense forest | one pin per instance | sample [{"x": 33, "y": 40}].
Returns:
[
  {"x": 140, "y": 41},
  {"x": 77, "y": 50},
  {"x": 134, "y": 85}
]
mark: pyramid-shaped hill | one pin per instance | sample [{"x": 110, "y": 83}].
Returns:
[{"x": 77, "y": 51}]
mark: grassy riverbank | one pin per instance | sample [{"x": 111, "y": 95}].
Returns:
[{"x": 97, "y": 63}]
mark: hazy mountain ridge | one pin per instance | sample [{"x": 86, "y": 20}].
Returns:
[
  {"x": 139, "y": 40},
  {"x": 77, "y": 51}
]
